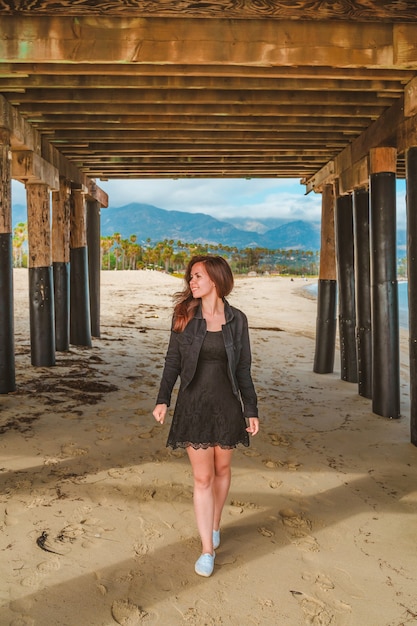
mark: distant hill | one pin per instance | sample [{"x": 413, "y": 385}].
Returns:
[
  {"x": 150, "y": 222},
  {"x": 257, "y": 225},
  {"x": 298, "y": 235}
]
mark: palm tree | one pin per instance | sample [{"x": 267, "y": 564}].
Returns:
[
  {"x": 20, "y": 235},
  {"x": 167, "y": 253},
  {"x": 134, "y": 252},
  {"x": 106, "y": 244},
  {"x": 117, "y": 249}
]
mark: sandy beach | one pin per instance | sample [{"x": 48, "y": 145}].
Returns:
[{"x": 97, "y": 521}]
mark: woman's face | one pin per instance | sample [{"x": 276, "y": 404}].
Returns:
[{"x": 200, "y": 282}]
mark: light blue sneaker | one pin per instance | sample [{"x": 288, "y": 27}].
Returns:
[
  {"x": 205, "y": 564},
  {"x": 216, "y": 539}
]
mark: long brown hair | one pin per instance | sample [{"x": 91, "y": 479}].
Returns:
[{"x": 219, "y": 272}]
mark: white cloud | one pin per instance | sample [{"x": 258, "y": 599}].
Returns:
[{"x": 220, "y": 198}]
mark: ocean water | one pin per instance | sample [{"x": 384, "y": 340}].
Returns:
[{"x": 402, "y": 301}]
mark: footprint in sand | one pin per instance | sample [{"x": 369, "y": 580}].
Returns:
[
  {"x": 323, "y": 612},
  {"x": 274, "y": 484},
  {"x": 46, "y": 567},
  {"x": 140, "y": 549},
  {"x": 290, "y": 465},
  {"x": 298, "y": 529},
  {"x": 33, "y": 580},
  {"x": 279, "y": 440},
  {"x": 117, "y": 472},
  {"x": 271, "y": 464},
  {"x": 251, "y": 452},
  {"x": 43, "y": 569},
  {"x": 245, "y": 505},
  {"x": 72, "y": 450},
  {"x": 21, "y": 605},
  {"x": 126, "y": 613},
  {"x": 102, "y": 428},
  {"x": 315, "y": 611}
]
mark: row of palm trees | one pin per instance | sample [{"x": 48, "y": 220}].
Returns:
[
  {"x": 118, "y": 253},
  {"x": 172, "y": 256}
]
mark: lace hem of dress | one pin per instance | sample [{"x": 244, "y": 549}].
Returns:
[{"x": 205, "y": 446}]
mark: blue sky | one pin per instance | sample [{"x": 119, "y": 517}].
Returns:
[{"x": 221, "y": 198}]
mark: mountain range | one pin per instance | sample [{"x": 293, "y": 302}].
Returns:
[{"x": 148, "y": 222}]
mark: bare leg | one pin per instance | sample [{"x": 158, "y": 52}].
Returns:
[
  {"x": 211, "y": 471},
  {"x": 202, "y": 463},
  {"x": 222, "y": 478}
]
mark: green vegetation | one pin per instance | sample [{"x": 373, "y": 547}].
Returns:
[
  {"x": 173, "y": 256},
  {"x": 20, "y": 237},
  {"x": 402, "y": 268}
]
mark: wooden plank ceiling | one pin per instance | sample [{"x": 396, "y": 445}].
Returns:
[{"x": 238, "y": 88}]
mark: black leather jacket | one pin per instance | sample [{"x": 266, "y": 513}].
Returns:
[{"x": 184, "y": 349}]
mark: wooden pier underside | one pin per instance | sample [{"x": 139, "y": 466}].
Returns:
[
  {"x": 323, "y": 92},
  {"x": 217, "y": 89}
]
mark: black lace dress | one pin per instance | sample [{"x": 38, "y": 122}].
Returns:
[{"x": 207, "y": 413}]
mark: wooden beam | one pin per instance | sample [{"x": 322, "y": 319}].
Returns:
[
  {"x": 29, "y": 167},
  {"x": 407, "y": 134},
  {"x": 410, "y": 98},
  {"x": 265, "y": 136},
  {"x": 22, "y": 134},
  {"x": 278, "y": 81},
  {"x": 324, "y": 177},
  {"x": 354, "y": 177},
  {"x": 52, "y": 122},
  {"x": 156, "y": 150},
  {"x": 383, "y": 132},
  {"x": 80, "y": 71},
  {"x": 122, "y": 97},
  {"x": 29, "y": 161},
  {"x": 372, "y": 10},
  {"x": 193, "y": 41},
  {"x": 272, "y": 109},
  {"x": 351, "y": 165},
  {"x": 94, "y": 192}
]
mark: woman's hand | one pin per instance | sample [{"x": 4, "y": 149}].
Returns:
[
  {"x": 253, "y": 427},
  {"x": 159, "y": 412}
]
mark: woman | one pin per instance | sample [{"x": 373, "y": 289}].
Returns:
[{"x": 209, "y": 349}]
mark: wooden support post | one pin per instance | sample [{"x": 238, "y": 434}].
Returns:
[
  {"x": 61, "y": 211},
  {"x": 7, "y": 360},
  {"x": 384, "y": 288},
  {"x": 346, "y": 279},
  {"x": 327, "y": 289},
  {"x": 41, "y": 290},
  {"x": 80, "y": 324},
  {"x": 411, "y": 201},
  {"x": 363, "y": 291},
  {"x": 94, "y": 263}
]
